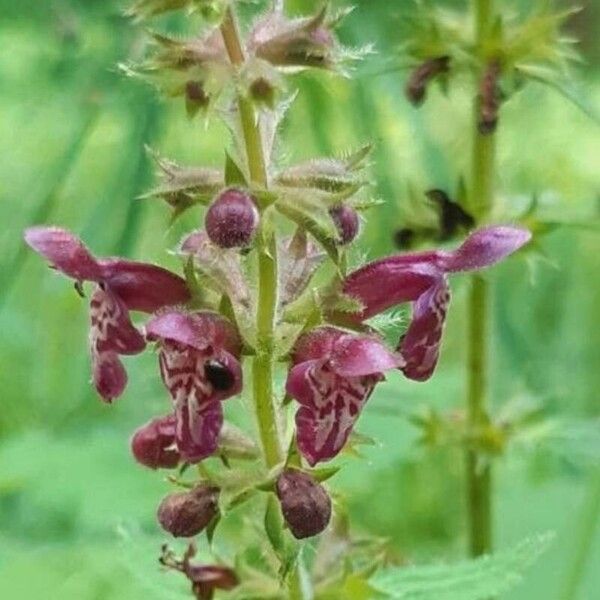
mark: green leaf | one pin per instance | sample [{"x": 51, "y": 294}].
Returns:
[
  {"x": 233, "y": 174},
  {"x": 476, "y": 579}
]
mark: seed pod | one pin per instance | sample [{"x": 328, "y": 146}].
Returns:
[
  {"x": 232, "y": 219},
  {"x": 305, "y": 504},
  {"x": 490, "y": 98},
  {"x": 346, "y": 221},
  {"x": 153, "y": 445},
  {"x": 416, "y": 86},
  {"x": 185, "y": 514}
]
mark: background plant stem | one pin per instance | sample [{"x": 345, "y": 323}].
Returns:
[
  {"x": 586, "y": 530},
  {"x": 479, "y": 473}
]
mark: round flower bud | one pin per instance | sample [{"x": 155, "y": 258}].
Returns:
[
  {"x": 346, "y": 221},
  {"x": 232, "y": 219},
  {"x": 153, "y": 444},
  {"x": 305, "y": 504},
  {"x": 185, "y": 514}
]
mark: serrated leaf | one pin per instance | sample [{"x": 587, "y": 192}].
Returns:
[
  {"x": 476, "y": 579},
  {"x": 234, "y": 175}
]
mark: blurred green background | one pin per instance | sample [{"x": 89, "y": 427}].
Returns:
[{"x": 76, "y": 514}]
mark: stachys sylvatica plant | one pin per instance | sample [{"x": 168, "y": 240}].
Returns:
[{"x": 247, "y": 308}]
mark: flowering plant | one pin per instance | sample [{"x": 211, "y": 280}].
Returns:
[{"x": 248, "y": 297}]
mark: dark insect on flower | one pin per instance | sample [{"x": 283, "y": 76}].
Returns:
[
  {"x": 205, "y": 579},
  {"x": 419, "y": 79},
  {"x": 346, "y": 221},
  {"x": 452, "y": 216},
  {"x": 185, "y": 514},
  {"x": 218, "y": 375},
  {"x": 232, "y": 219},
  {"x": 490, "y": 98},
  {"x": 153, "y": 444},
  {"x": 305, "y": 504}
]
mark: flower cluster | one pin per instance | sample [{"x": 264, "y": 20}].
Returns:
[{"x": 333, "y": 370}]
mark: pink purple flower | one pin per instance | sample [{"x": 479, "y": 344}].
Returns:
[
  {"x": 422, "y": 278},
  {"x": 333, "y": 374},
  {"x": 200, "y": 368},
  {"x": 121, "y": 285}
]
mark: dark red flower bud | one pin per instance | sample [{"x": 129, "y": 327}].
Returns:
[
  {"x": 153, "y": 444},
  {"x": 185, "y": 514},
  {"x": 232, "y": 219},
  {"x": 416, "y": 86},
  {"x": 305, "y": 504},
  {"x": 346, "y": 221}
]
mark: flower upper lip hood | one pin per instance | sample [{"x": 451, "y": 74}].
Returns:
[
  {"x": 421, "y": 278},
  {"x": 393, "y": 280},
  {"x": 200, "y": 368},
  {"x": 122, "y": 285},
  {"x": 333, "y": 374}
]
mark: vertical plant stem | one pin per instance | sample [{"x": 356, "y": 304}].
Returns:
[
  {"x": 479, "y": 473},
  {"x": 262, "y": 367},
  {"x": 298, "y": 585}
]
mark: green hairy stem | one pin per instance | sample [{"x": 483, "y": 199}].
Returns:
[{"x": 263, "y": 363}]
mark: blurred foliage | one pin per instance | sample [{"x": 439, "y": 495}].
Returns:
[{"x": 72, "y": 131}]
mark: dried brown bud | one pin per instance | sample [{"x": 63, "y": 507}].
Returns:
[
  {"x": 416, "y": 86},
  {"x": 305, "y": 504},
  {"x": 490, "y": 98},
  {"x": 185, "y": 514}
]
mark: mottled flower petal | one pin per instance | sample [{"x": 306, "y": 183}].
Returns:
[
  {"x": 331, "y": 406},
  {"x": 111, "y": 334},
  {"x": 111, "y": 328},
  {"x": 420, "y": 346},
  {"x": 199, "y": 373},
  {"x": 109, "y": 375},
  {"x": 334, "y": 374},
  {"x": 65, "y": 252},
  {"x": 142, "y": 286},
  {"x": 486, "y": 247}
]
